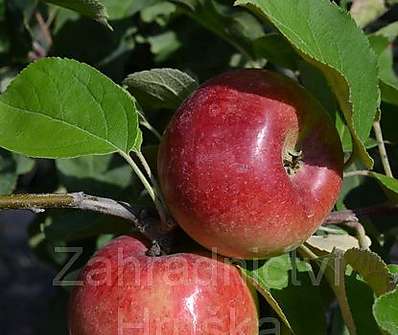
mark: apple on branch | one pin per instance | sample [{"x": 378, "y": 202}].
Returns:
[{"x": 251, "y": 164}]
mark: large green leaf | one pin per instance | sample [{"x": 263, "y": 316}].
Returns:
[
  {"x": 90, "y": 8},
  {"x": 59, "y": 108},
  {"x": 385, "y": 311},
  {"x": 160, "y": 88},
  {"x": 327, "y": 37}
]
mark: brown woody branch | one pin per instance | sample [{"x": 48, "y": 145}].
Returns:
[{"x": 148, "y": 226}]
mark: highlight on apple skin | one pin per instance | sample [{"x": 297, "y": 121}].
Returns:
[
  {"x": 251, "y": 164},
  {"x": 124, "y": 291}
]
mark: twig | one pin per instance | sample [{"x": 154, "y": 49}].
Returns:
[
  {"x": 168, "y": 220},
  {"x": 382, "y": 149},
  {"x": 363, "y": 240},
  {"x": 38, "y": 202},
  {"x": 44, "y": 29},
  {"x": 354, "y": 215},
  {"x": 149, "y": 188},
  {"x": 358, "y": 173}
]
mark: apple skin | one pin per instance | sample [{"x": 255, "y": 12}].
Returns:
[
  {"x": 124, "y": 291},
  {"x": 221, "y": 164}
]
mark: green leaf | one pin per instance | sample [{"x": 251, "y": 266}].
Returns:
[
  {"x": 8, "y": 175},
  {"x": 11, "y": 166},
  {"x": 237, "y": 27},
  {"x": 313, "y": 80},
  {"x": 385, "y": 311},
  {"x": 393, "y": 268},
  {"x": 366, "y": 11},
  {"x": 378, "y": 43},
  {"x": 371, "y": 268},
  {"x": 388, "y": 182},
  {"x": 100, "y": 175},
  {"x": 381, "y": 44},
  {"x": 161, "y": 88},
  {"x": 119, "y": 9},
  {"x": 59, "y": 108},
  {"x": 285, "y": 284},
  {"x": 388, "y": 78},
  {"x": 91, "y": 8},
  {"x": 328, "y": 38},
  {"x": 330, "y": 241},
  {"x": 159, "y": 12},
  {"x": 164, "y": 45},
  {"x": 276, "y": 49},
  {"x": 390, "y": 31},
  {"x": 24, "y": 164},
  {"x": 361, "y": 298}
]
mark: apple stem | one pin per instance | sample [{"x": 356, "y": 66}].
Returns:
[
  {"x": 149, "y": 173},
  {"x": 153, "y": 190},
  {"x": 169, "y": 221}
]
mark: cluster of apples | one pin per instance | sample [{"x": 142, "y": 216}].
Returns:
[{"x": 250, "y": 166}]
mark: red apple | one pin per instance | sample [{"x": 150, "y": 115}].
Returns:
[
  {"x": 123, "y": 292},
  {"x": 251, "y": 164}
]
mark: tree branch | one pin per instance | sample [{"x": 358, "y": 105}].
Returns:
[{"x": 148, "y": 226}]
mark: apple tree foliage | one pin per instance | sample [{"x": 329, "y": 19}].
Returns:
[{"x": 79, "y": 96}]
